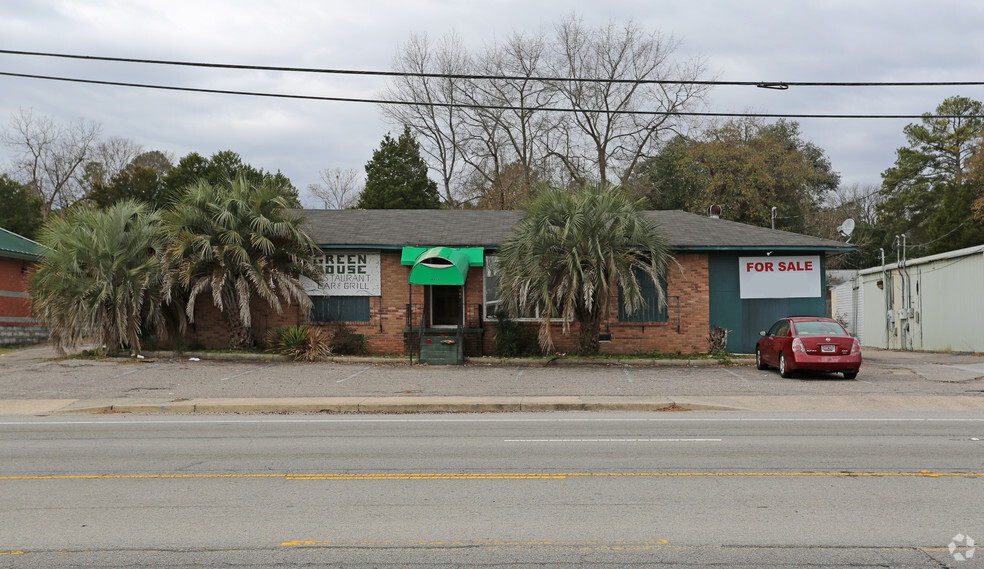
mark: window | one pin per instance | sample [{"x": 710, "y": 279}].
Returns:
[
  {"x": 651, "y": 310},
  {"x": 492, "y": 300},
  {"x": 819, "y": 328},
  {"x": 340, "y": 309},
  {"x": 780, "y": 328},
  {"x": 491, "y": 284}
]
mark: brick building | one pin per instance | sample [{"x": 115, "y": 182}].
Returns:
[
  {"x": 403, "y": 277},
  {"x": 17, "y": 324}
]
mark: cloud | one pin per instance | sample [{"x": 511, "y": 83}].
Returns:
[{"x": 769, "y": 40}]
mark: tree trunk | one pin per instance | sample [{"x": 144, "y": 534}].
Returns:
[
  {"x": 240, "y": 334},
  {"x": 587, "y": 339}
]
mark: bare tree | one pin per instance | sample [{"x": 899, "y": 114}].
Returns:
[
  {"x": 115, "y": 154},
  {"x": 436, "y": 122},
  {"x": 50, "y": 158},
  {"x": 604, "y": 137},
  {"x": 339, "y": 189},
  {"x": 857, "y": 201},
  {"x": 507, "y": 127},
  {"x": 587, "y": 105}
]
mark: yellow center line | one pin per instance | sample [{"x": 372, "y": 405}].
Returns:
[
  {"x": 11, "y": 553},
  {"x": 489, "y": 475},
  {"x": 517, "y": 545},
  {"x": 495, "y": 544}
]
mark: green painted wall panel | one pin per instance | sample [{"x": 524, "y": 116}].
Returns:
[{"x": 745, "y": 318}]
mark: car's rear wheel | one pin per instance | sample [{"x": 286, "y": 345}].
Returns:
[
  {"x": 758, "y": 359},
  {"x": 783, "y": 371},
  {"x": 850, "y": 374}
]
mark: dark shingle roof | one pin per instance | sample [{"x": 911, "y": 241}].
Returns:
[
  {"x": 392, "y": 228},
  {"x": 15, "y": 246}
]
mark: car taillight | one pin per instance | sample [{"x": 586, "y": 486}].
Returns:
[
  {"x": 798, "y": 346},
  {"x": 856, "y": 348}
]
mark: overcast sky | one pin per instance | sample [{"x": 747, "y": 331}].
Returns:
[{"x": 749, "y": 40}]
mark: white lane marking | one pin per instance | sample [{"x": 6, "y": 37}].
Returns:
[
  {"x": 132, "y": 371},
  {"x": 628, "y": 376},
  {"x": 522, "y": 369},
  {"x": 612, "y": 440},
  {"x": 734, "y": 373},
  {"x": 137, "y": 420},
  {"x": 356, "y": 374},
  {"x": 247, "y": 372}
]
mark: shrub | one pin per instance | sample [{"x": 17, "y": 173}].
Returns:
[
  {"x": 298, "y": 342},
  {"x": 513, "y": 339},
  {"x": 345, "y": 342}
]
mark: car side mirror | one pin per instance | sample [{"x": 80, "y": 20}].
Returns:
[{"x": 761, "y": 332}]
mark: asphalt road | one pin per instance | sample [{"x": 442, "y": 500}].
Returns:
[{"x": 549, "y": 489}]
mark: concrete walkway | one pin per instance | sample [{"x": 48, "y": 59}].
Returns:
[{"x": 33, "y": 381}]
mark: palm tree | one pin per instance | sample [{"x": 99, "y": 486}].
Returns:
[
  {"x": 100, "y": 278},
  {"x": 571, "y": 251},
  {"x": 237, "y": 241}
]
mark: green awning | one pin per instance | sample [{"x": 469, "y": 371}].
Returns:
[
  {"x": 475, "y": 255},
  {"x": 440, "y": 265}
]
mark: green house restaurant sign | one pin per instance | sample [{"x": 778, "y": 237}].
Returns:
[{"x": 346, "y": 274}]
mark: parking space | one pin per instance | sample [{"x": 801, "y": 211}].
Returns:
[{"x": 884, "y": 373}]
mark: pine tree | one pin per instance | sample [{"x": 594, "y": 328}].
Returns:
[
  {"x": 396, "y": 177},
  {"x": 928, "y": 194}
]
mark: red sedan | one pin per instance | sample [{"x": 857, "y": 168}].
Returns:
[{"x": 808, "y": 343}]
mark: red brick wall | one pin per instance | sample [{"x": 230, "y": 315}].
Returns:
[
  {"x": 387, "y": 319},
  {"x": 209, "y": 329},
  {"x": 13, "y": 281},
  {"x": 686, "y": 331}
]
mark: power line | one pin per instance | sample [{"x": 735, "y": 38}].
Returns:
[
  {"x": 779, "y": 85},
  {"x": 477, "y": 106}
]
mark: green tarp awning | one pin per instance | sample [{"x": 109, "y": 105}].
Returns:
[{"x": 441, "y": 265}]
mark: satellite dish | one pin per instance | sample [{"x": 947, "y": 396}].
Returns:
[{"x": 846, "y": 228}]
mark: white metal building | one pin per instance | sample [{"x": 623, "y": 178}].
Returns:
[
  {"x": 847, "y": 300},
  {"x": 933, "y": 303}
]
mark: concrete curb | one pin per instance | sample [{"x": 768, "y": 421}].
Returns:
[
  {"x": 467, "y": 404},
  {"x": 446, "y": 404},
  {"x": 477, "y": 361}
]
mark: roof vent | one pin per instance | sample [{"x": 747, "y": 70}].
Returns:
[{"x": 714, "y": 212}]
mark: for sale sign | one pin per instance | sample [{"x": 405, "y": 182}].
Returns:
[{"x": 779, "y": 277}]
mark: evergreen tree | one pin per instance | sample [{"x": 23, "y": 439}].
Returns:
[
  {"x": 746, "y": 166},
  {"x": 572, "y": 251},
  {"x": 236, "y": 244},
  {"x": 929, "y": 191},
  {"x": 221, "y": 169},
  {"x": 100, "y": 279},
  {"x": 396, "y": 177},
  {"x": 21, "y": 211}
]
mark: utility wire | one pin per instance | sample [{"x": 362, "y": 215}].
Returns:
[
  {"x": 477, "y": 106},
  {"x": 779, "y": 85}
]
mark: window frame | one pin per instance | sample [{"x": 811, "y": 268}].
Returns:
[
  {"x": 490, "y": 305},
  {"x": 662, "y": 312},
  {"x": 338, "y": 299}
]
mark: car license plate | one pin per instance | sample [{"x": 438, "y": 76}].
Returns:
[{"x": 828, "y": 349}]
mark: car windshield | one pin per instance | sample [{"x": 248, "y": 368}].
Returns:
[{"x": 815, "y": 328}]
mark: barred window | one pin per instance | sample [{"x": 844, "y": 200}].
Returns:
[
  {"x": 340, "y": 309},
  {"x": 651, "y": 310}
]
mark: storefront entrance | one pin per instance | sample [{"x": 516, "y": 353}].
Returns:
[{"x": 445, "y": 306}]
